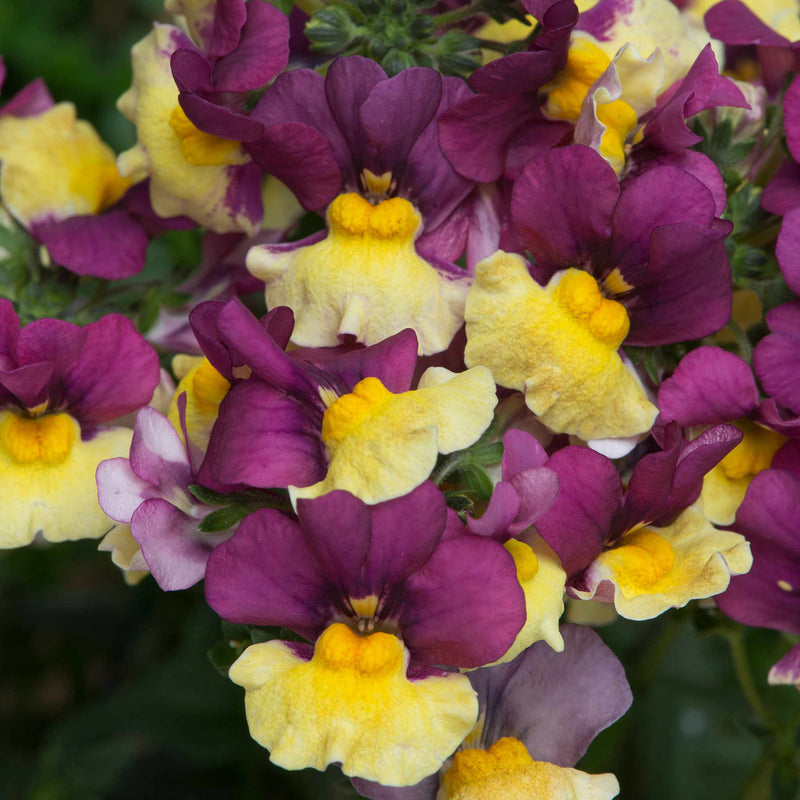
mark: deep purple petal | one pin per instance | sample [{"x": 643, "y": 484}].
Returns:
[
  {"x": 791, "y": 117},
  {"x": 116, "y": 373},
  {"x": 555, "y": 703},
  {"x": 776, "y": 358},
  {"x": 191, "y": 71},
  {"x": 562, "y": 206},
  {"x": 265, "y": 575},
  {"x": 499, "y": 514},
  {"x": 263, "y": 438},
  {"x": 782, "y": 193},
  {"x": 227, "y": 21},
  {"x": 787, "y": 249},
  {"x": 768, "y": 518},
  {"x": 370, "y": 550},
  {"x": 537, "y": 490},
  {"x": 521, "y": 451},
  {"x": 31, "y": 100},
  {"x": 261, "y": 52},
  {"x": 577, "y": 524},
  {"x": 686, "y": 292},
  {"x": 514, "y": 73},
  {"x": 709, "y": 385},
  {"x": 733, "y": 22},
  {"x": 218, "y": 120},
  {"x": 111, "y": 245},
  {"x": 465, "y": 607}
]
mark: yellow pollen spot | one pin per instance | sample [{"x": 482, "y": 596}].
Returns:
[
  {"x": 48, "y": 439},
  {"x": 524, "y": 559},
  {"x": 615, "y": 283},
  {"x": 639, "y": 560},
  {"x": 350, "y": 411},
  {"x": 754, "y": 453},
  {"x": 377, "y": 186},
  {"x": 585, "y": 64},
  {"x": 375, "y": 655},
  {"x": 352, "y": 215},
  {"x": 607, "y": 320},
  {"x": 364, "y": 606},
  {"x": 786, "y": 586},
  {"x": 203, "y": 149}
]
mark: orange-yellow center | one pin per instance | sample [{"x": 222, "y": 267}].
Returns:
[
  {"x": 352, "y": 215},
  {"x": 754, "y": 453},
  {"x": 375, "y": 655},
  {"x": 350, "y": 411},
  {"x": 47, "y": 439},
  {"x": 639, "y": 560}
]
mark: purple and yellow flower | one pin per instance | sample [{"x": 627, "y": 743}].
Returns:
[
  {"x": 390, "y": 595},
  {"x": 646, "y": 549},
  {"x": 319, "y": 420},
  {"x": 60, "y": 182},
  {"x": 712, "y": 386},
  {"x": 538, "y": 714},
  {"x": 61, "y": 390},
  {"x": 364, "y": 147},
  {"x": 642, "y": 263}
]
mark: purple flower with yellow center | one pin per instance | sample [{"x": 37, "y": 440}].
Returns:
[
  {"x": 204, "y": 175},
  {"x": 769, "y": 595},
  {"x": 59, "y": 180},
  {"x": 324, "y": 419},
  {"x": 389, "y": 594},
  {"x": 365, "y": 147},
  {"x": 712, "y": 386},
  {"x": 529, "y": 102},
  {"x": 60, "y": 387},
  {"x": 538, "y": 715},
  {"x": 646, "y": 549},
  {"x": 149, "y": 490},
  {"x": 642, "y": 262}
]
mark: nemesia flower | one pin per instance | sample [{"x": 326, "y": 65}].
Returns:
[
  {"x": 385, "y": 592},
  {"x": 711, "y": 386},
  {"x": 60, "y": 387},
  {"x": 318, "y": 420},
  {"x": 538, "y": 715},
  {"x": 769, "y": 595},
  {"x": 530, "y": 101},
  {"x": 365, "y": 147},
  {"x": 647, "y": 549},
  {"x": 192, "y": 173},
  {"x": 59, "y": 180},
  {"x": 642, "y": 262},
  {"x": 149, "y": 490}
]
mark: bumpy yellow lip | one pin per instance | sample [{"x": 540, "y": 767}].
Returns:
[
  {"x": 352, "y": 703},
  {"x": 365, "y": 279},
  {"x": 203, "y": 149}
]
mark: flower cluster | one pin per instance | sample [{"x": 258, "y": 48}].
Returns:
[{"x": 532, "y": 343}]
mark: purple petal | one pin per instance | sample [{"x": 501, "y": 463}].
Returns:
[
  {"x": 264, "y": 439},
  {"x": 157, "y": 454},
  {"x": 686, "y": 292},
  {"x": 776, "y": 358},
  {"x": 191, "y": 71},
  {"x": 791, "y": 117},
  {"x": 521, "y": 451},
  {"x": 733, "y": 22},
  {"x": 537, "y": 490},
  {"x": 119, "y": 490},
  {"x": 660, "y": 196},
  {"x": 499, "y": 515},
  {"x": 768, "y": 518},
  {"x": 261, "y": 52},
  {"x": 648, "y": 488},
  {"x": 782, "y": 193},
  {"x": 218, "y": 120},
  {"x": 787, "y": 249},
  {"x": 578, "y": 523},
  {"x": 117, "y": 372},
  {"x": 514, "y": 73},
  {"x": 555, "y": 703},
  {"x": 31, "y": 100},
  {"x": 302, "y": 158},
  {"x": 396, "y": 112},
  {"x": 265, "y": 575},
  {"x": 465, "y": 607},
  {"x": 709, "y": 385},
  {"x": 111, "y": 245},
  {"x": 787, "y": 670},
  {"x": 370, "y": 550},
  {"x": 424, "y": 790},
  {"x": 475, "y": 134},
  {"x": 228, "y": 18},
  {"x": 562, "y": 206}
]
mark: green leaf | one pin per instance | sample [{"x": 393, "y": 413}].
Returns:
[
  {"x": 223, "y": 653},
  {"x": 478, "y": 482},
  {"x": 225, "y": 518},
  {"x": 209, "y": 496}
]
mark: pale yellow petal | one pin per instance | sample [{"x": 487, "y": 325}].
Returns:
[
  {"x": 560, "y": 345},
  {"x": 125, "y": 553},
  {"x": 365, "y": 279},
  {"x": 653, "y": 569},
  {"x": 353, "y": 704}
]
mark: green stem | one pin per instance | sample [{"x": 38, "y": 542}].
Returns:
[
  {"x": 745, "y": 677},
  {"x": 457, "y": 14},
  {"x": 450, "y": 465}
]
